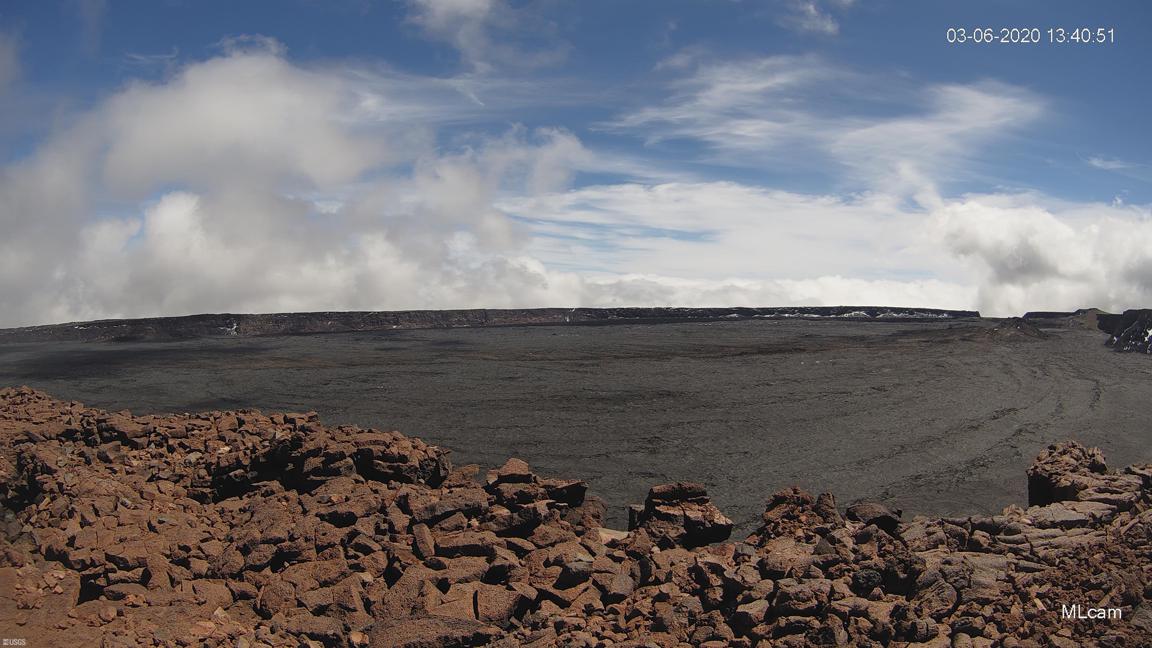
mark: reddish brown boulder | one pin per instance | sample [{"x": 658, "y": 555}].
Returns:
[
  {"x": 513, "y": 471},
  {"x": 873, "y": 513},
  {"x": 1062, "y": 471},
  {"x": 681, "y": 514}
]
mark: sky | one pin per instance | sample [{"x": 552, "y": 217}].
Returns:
[{"x": 171, "y": 157}]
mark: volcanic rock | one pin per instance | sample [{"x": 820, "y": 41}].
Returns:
[
  {"x": 1016, "y": 327},
  {"x": 681, "y": 514},
  {"x": 872, "y": 513},
  {"x": 246, "y": 529},
  {"x": 1128, "y": 332}
]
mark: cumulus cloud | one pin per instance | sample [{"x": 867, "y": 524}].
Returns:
[
  {"x": 1037, "y": 254},
  {"x": 1001, "y": 253},
  {"x": 248, "y": 183},
  {"x": 1022, "y": 251},
  {"x": 249, "y": 117},
  {"x": 490, "y": 34}
]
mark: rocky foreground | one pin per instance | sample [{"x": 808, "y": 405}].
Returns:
[{"x": 245, "y": 529}]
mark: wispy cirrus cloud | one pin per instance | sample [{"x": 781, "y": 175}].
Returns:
[
  {"x": 1109, "y": 164},
  {"x": 732, "y": 106},
  {"x": 756, "y": 111},
  {"x": 490, "y": 34},
  {"x": 808, "y": 16},
  {"x": 1128, "y": 169}
]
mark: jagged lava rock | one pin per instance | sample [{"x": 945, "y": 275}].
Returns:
[
  {"x": 680, "y": 514},
  {"x": 1130, "y": 331},
  {"x": 246, "y": 529}
]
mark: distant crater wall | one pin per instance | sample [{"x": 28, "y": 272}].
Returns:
[{"x": 247, "y": 325}]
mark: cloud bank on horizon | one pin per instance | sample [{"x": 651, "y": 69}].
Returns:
[{"x": 502, "y": 155}]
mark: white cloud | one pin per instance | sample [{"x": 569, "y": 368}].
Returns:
[
  {"x": 247, "y": 183},
  {"x": 1140, "y": 172},
  {"x": 1001, "y": 253},
  {"x": 489, "y": 34},
  {"x": 1108, "y": 164},
  {"x": 1036, "y": 254},
  {"x": 720, "y": 230},
  {"x": 808, "y": 16},
  {"x": 716, "y": 95},
  {"x": 250, "y": 117},
  {"x": 251, "y": 44},
  {"x": 722, "y": 243},
  {"x": 790, "y": 109},
  {"x": 152, "y": 62},
  {"x": 641, "y": 290},
  {"x": 956, "y": 122}
]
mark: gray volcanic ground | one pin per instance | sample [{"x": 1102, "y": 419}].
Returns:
[{"x": 932, "y": 417}]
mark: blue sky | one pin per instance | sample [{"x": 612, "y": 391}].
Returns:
[{"x": 176, "y": 157}]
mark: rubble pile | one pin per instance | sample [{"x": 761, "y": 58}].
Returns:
[
  {"x": 1016, "y": 327},
  {"x": 253, "y": 530}
]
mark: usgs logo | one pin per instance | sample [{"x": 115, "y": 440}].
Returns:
[{"x": 1077, "y": 611}]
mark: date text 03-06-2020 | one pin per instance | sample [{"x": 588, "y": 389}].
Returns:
[{"x": 1031, "y": 35}]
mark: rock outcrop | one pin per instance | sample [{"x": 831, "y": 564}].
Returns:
[
  {"x": 680, "y": 515},
  {"x": 1081, "y": 318},
  {"x": 1128, "y": 332},
  {"x": 246, "y": 529}
]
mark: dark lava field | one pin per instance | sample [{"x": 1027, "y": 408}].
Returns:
[{"x": 936, "y": 417}]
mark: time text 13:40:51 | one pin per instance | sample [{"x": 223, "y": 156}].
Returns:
[{"x": 1031, "y": 35}]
